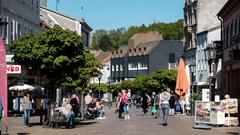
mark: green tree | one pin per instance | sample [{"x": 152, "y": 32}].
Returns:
[
  {"x": 106, "y": 43},
  {"x": 59, "y": 55}
]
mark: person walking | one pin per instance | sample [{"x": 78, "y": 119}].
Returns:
[
  {"x": 119, "y": 105},
  {"x": 145, "y": 103},
  {"x": 153, "y": 107},
  {"x": 128, "y": 104},
  {"x": 43, "y": 115},
  {"x": 172, "y": 104},
  {"x": 157, "y": 105},
  {"x": 123, "y": 103},
  {"x": 74, "y": 101},
  {"x": 27, "y": 106},
  {"x": 138, "y": 105},
  {"x": 164, "y": 102}
]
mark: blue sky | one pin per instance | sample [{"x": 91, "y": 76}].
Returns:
[{"x": 113, "y": 14}]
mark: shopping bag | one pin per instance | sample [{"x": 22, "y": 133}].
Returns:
[{"x": 154, "y": 109}]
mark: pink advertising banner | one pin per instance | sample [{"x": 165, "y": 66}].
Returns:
[{"x": 3, "y": 80}]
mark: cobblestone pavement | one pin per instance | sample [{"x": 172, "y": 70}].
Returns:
[{"x": 137, "y": 125}]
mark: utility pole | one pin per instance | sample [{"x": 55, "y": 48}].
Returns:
[{"x": 57, "y": 2}]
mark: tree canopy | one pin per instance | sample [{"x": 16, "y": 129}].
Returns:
[
  {"x": 59, "y": 55},
  {"x": 155, "y": 81}
]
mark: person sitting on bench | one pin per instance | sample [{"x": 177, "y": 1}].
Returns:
[{"x": 67, "y": 112}]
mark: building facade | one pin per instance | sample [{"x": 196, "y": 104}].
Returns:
[
  {"x": 43, "y": 3},
  {"x": 190, "y": 37},
  {"x": 22, "y": 17},
  {"x": 49, "y": 18},
  {"x": 144, "y": 56},
  {"x": 208, "y": 32},
  {"x": 230, "y": 17},
  {"x": 202, "y": 29}
]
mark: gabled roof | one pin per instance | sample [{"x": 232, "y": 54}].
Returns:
[
  {"x": 228, "y": 7},
  {"x": 102, "y": 56},
  {"x": 51, "y": 18}
]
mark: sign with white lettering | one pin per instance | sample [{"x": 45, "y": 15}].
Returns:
[{"x": 14, "y": 69}]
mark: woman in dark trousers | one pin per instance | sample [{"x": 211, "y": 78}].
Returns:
[
  {"x": 172, "y": 104},
  {"x": 145, "y": 103}
]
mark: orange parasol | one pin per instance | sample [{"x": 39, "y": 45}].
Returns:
[{"x": 182, "y": 80}]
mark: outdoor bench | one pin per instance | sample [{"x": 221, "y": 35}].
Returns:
[{"x": 58, "y": 118}]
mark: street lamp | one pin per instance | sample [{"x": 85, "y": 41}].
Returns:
[
  {"x": 3, "y": 24},
  {"x": 99, "y": 84},
  {"x": 211, "y": 54},
  {"x": 192, "y": 70}
]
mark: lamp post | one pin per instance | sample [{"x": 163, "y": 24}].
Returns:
[
  {"x": 192, "y": 70},
  {"x": 99, "y": 84},
  {"x": 3, "y": 24},
  {"x": 211, "y": 53}
]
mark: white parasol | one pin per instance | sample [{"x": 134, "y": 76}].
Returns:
[{"x": 22, "y": 87}]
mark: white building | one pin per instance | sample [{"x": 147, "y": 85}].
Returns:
[
  {"x": 105, "y": 59},
  {"x": 22, "y": 17}
]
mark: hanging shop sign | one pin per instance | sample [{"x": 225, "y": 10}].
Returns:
[{"x": 14, "y": 69}]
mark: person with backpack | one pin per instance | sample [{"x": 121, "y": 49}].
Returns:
[{"x": 44, "y": 107}]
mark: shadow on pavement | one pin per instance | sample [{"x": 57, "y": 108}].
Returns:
[
  {"x": 233, "y": 133},
  {"x": 87, "y": 122},
  {"x": 23, "y": 133}
]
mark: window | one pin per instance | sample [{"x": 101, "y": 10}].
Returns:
[
  {"x": 113, "y": 68},
  {"x": 231, "y": 29},
  {"x": 132, "y": 66},
  {"x": 235, "y": 26},
  {"x": 11, "y": 31},
  {"x": 19, "y": 30},
  {"x": 239, "y": 24},
  {"x": 117, "y": 68},
  {"x": 121, "y": 67},
  {"x": 142, "y": 65},
  {"x": 16, "y": 30},
  {"x": 172, "y": 58},
  {"x": 37, "y": 4},
  {"x": 227, "y": 36}
]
